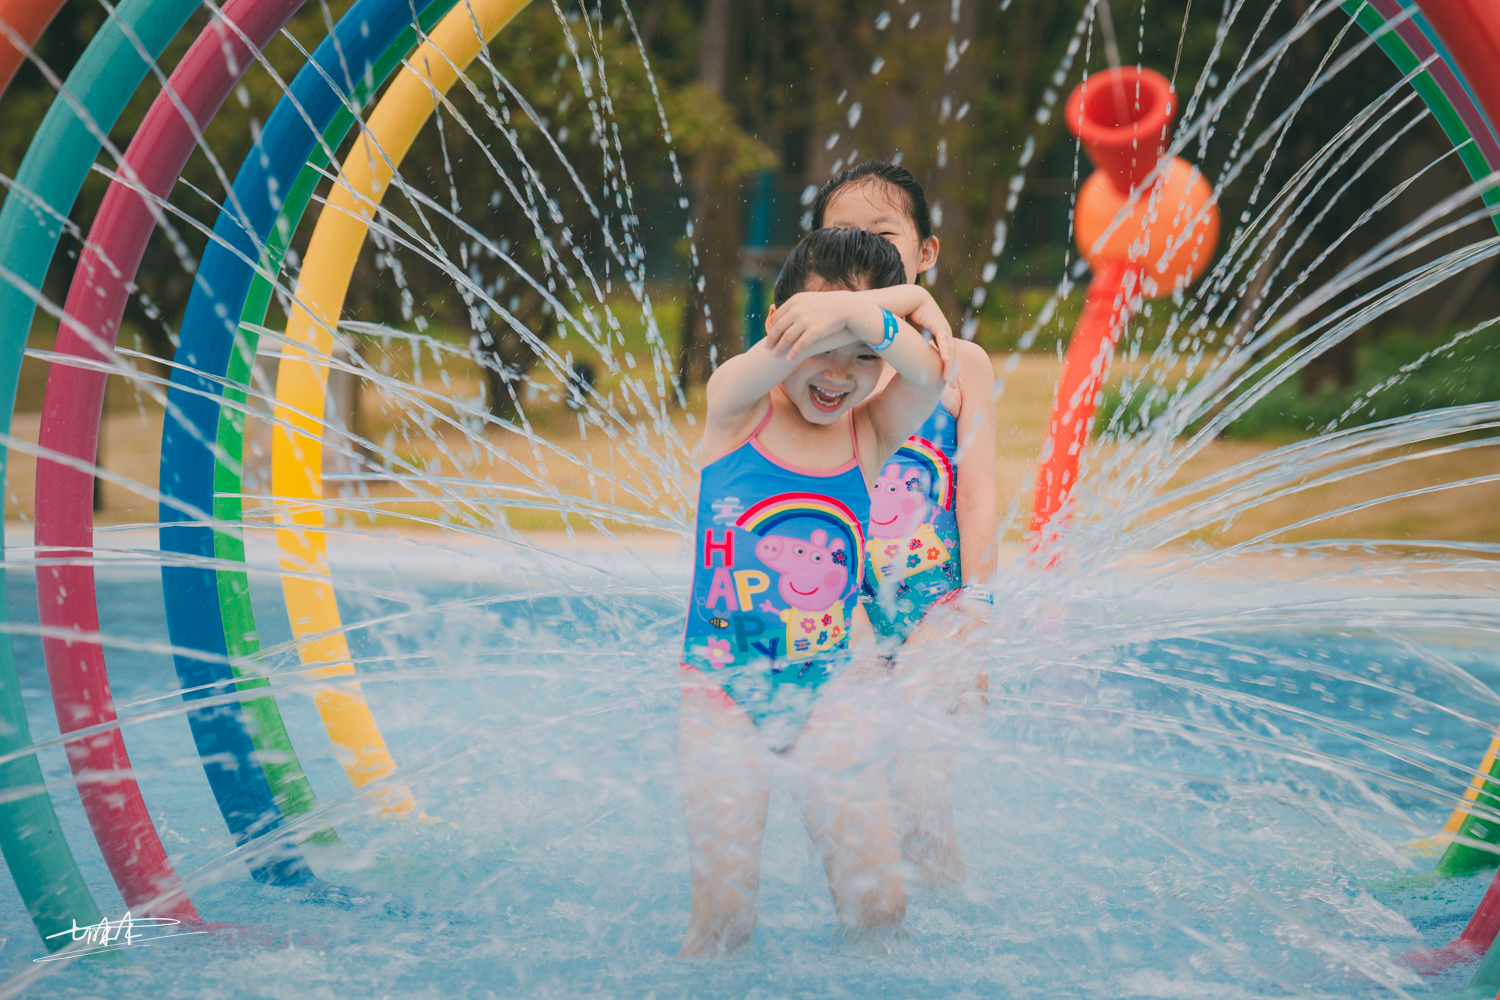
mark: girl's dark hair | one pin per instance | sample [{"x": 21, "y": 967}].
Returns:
[
  {"x": 880, "y": 170},
  {"x": 845, "y": 257}
]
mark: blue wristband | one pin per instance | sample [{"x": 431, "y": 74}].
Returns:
[
  {"x": 977, "y": 592},
  {"x": 890, "y": 331}
]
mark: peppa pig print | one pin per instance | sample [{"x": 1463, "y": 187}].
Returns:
[
  {"x": 814, "y": 576},
  {"x": 902, "y": 541},
  {"x": 776, "y": 587},
  {"x": 813, "y": 572}
]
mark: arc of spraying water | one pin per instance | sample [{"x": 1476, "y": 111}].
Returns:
[
  {"x": 71, "y": 415},
  {"x": 31, "y": 223},
  {"x": 301, "y": 384},
  {"x": 1450, "y": 97},
  {"x": 1440, "y": 86},
  {"x": 328, "y": 83}
]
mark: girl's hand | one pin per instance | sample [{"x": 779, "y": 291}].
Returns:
[
  {"x": 811, "y": 322},
  {"x": 916, "y": 305},
  {"x": 927, "y": 316}
]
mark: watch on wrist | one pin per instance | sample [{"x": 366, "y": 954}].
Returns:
[{"x": 890, "y": 331}]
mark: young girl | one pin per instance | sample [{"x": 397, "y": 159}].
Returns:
[
  {"x": 793, "y": 438},
  {"x": 934, "y": 509}
]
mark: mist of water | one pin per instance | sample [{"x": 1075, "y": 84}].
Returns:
[{"x": 1201, "y": 769}]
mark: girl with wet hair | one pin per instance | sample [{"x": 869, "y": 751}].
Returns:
[
  {"x": 935, "y": 546},
  {"x": 794, "y": 435}
]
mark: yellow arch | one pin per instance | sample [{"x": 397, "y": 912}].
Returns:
[{"x": 301, "y": 382}]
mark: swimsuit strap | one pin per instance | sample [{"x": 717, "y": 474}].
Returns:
[
  {"x": 770, "y": 409},
  {"x": 854, "y": 441}
]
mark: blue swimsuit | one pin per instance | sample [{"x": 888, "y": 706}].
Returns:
[
  {"x": 912, "y": 532},
  {"x": 777, "y": 570}
]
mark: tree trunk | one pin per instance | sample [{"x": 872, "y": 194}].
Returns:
[{"x": 710, "y": 326}]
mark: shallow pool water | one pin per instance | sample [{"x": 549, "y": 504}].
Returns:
[{"x": 1145, "y": 811}]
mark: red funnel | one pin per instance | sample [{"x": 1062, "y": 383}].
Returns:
[
  {"x": 1141, "y": 242},
  {"x": 1122, "y": 116}
]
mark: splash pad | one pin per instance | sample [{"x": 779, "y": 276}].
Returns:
[{"x": 1189, "y": 779}]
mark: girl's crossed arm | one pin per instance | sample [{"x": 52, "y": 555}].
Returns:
[{"x": 810, "y": 323}]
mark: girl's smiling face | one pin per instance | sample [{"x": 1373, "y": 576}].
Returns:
[
  {"x": 823, "y": 387},
  {"x": 879, "y": 207},
  {"x": 826, "y": 386}
]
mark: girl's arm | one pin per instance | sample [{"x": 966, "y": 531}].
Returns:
[
  {"x": 900, "y": 407},
  {"x": 976, "y": 498},
  {"x": 916, "y": 305}
]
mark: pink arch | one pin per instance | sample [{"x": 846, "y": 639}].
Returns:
[{"x": 71, "y": 413}]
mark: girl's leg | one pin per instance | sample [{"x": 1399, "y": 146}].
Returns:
[
  {"x": 922, "y": 774},
  {"x": 841, "y": 789},
  {"x": 725, "y": 780},
  {"x": 922, "y": 795}
]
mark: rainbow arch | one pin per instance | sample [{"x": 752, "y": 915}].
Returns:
[{"x": 210, "y": 618}]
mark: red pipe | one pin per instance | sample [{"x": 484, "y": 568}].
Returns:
[
  {"x": 1142, "y": 241},
  {"x": 1477, "y": 936},
  {"x": 27, "y": 18},
  {"x": 71, "y": 411},
  {"x": 1106, "y": 310},
  {"x": 1470, "y": 29}
]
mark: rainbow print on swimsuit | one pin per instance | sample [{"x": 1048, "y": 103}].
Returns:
[
  {"x": 907, "y": 506},
  {"x": 934, "y": 461}
]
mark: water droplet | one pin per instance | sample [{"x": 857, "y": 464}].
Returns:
[
  {"x": 855, "y": 110},
  {"x": 915, "y": 18},
  {"x": 883, "y": 20},
  {"x": 877, "y": 65}
]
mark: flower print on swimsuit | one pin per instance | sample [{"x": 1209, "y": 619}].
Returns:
[{"x": 719, "y": 654}]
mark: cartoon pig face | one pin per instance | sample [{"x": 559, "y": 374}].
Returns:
[
  {"x": 813, "y": 573},
  {"x": 898, "y": 505}
]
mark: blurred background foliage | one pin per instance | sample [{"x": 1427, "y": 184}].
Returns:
[{"x": 774, "y": 95}]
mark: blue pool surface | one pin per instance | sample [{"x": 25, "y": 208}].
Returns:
[{"x": 1194, "y": 813}]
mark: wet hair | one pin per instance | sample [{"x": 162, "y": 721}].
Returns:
[
  {"x": 844, "y": 257},
  {"x": 878, "y": 170}
]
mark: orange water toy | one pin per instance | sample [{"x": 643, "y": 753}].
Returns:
[{"x": 1148, "y": 226}]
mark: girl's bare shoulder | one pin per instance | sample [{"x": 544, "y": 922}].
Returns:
[{"x": 976, "y": 375}]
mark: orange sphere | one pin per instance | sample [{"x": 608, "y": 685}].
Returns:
[{"x": 1169, "y": 231}]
